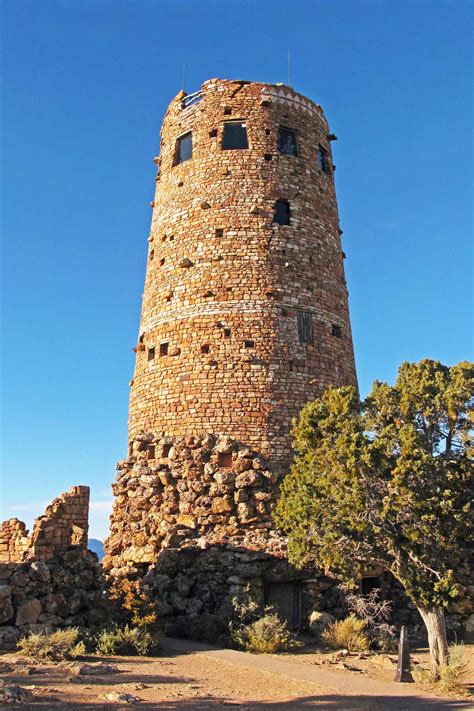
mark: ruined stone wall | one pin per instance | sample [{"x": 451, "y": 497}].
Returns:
[
  {"x": 225, "y": 283},
  {"x": 49, "y": 579},
  {"x": 63, "y": 524}
]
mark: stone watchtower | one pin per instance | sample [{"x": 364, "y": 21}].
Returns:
[{"x": 245, "y": 319}]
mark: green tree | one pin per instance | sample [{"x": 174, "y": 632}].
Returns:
[{"x": 387, "y": 482}]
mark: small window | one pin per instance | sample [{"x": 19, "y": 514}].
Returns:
[
  {"x": 184, "y": 148},
  {"x": 235, "y": 136},
  {"x": 323, "y": 160},
  {"x": 219, "y": 232},
  {"x": 205, "y": 348},
  {"x": 226, "y": 332},
  {"x": 151, "y": 353},
  {"x": 305, "y": 327},
  {"x": 282, "y": 212},
  {"x": 162, "y": 261},
  {"x": 227, "y": 110},
  {"x": 150, "y": 452},
  {"x": 224, "y": 460},
  {"x": 287, "y": 141},
  {"x": 166, "y": 450},
  {"x": 164, "y": 349},
  {"x": 249, "y": 344},
  {"x": 336, "y": 330},
  {"x": 152, "y": 255}
]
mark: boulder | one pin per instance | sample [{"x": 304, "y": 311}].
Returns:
[
  {"x": 248, "y": 478},
  {"x": 28, "y": 612},
  {"x": 319, "y": 621}
]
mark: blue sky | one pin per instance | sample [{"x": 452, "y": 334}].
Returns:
[{"x": 86, "y": 84}]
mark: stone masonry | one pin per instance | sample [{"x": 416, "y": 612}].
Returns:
[
  {"x": 49, "y": 579},
  {"x": 64, "y": 523},
  {"x": 244, "y": 319}
]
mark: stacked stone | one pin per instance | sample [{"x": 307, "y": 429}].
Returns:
[
  {"x": 181, "y": 491},
  {"x": 14, "y": 541},
  {"x": 63, "y": 591},
  {"x": 64, "y": 523}
]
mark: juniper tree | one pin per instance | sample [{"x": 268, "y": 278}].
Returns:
[{"x": 387, "y": 482}]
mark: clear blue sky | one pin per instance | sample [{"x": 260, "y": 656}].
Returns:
[{"x": 86, "y": 84}]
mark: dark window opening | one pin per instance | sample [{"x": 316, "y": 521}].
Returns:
[
  {"x": 227, "y": 110},
  {"x": 162, "y": 261},
  {"x": 142, "y": 336},
  {"x": 305, "y": 327},
  {"x": 205, "y": 348},
  {"x": 287, "y": 141},
  {"x": 336, "y": 330},
  {"x": 268, "y": 156},
  {"x": 150, "y": 453},
  {"x": 165, "y": 451},
  {"x": 164, "y": 349},
  {"x": 219, "y": 232},
  {"x": 369, "y": 583},
  {"x": 184, "y": 148},
  {"x": 213, "y": 133},
  {"x": 267, "y": 131},
  {"x": 235, "y": 136},
  {"x": 224, "y": 460},
  {"x": 323, "y": 160},
  {"x": 152, "y": 254},
  {"x": 151, "y": 353},
  {"x": 172, "y": 238},
  {"x": 226, "y": 332},
  {"x": 249, "y": 344},
  {"x": 282, "y": 212},
  {"x": 290, "y": 365}
]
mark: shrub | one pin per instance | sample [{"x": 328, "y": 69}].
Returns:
[
  {"x": 376, "y": 614},
  {"x": 347, "y": 634},
  {"x": 52, "y": 646},
  {"x": 266, "y": 635},
  {"x": 126, "y": 640},
  {"x": 452, "y": 676}
]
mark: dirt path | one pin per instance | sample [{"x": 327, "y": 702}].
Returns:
[{"x": 195, "y": 677}]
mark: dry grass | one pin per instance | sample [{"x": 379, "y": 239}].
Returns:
[
  {"x": 452, "y": 678},
  {"x": 347, "y": 634},
  {"x": 268, "y": 635},
  {"x": 54, "y": 646}
]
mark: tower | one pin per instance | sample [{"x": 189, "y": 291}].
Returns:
[{"x": 244, "y": 319}]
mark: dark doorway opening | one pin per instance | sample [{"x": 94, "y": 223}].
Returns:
[{"x": 285, "y": 598}]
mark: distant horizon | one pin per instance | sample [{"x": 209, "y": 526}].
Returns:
[{"x": 85, "y": 90}]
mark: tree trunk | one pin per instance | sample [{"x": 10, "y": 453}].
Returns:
[{"x": 438, "y": 644}]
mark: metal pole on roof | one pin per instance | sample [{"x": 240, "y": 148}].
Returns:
[{"x": 184, "y": 74}]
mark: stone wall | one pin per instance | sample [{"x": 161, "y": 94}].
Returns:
[
  {"x": 49, "y": 579},
  {"x": 63, "y": 524}
]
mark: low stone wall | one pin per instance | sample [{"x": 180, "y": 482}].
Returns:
[{"x": 61, "y": 592}]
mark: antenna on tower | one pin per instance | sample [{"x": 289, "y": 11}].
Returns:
[
  {"x": 184, "y": 75},
  {"x": 289, "y": 68}
]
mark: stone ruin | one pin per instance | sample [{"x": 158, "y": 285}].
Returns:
[{"x": 49, "y": 579}]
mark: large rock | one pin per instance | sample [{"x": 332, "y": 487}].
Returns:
[
  {"x": 6, "y": 607},
  {"x": 28, "y": 612},
  {"x": 11, "y": 694},
  {"x": 247, "y": 478},
  {"x": 320, "y": 621}
]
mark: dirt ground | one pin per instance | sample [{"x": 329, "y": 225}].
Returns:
[{"x": 193, "y": 679}]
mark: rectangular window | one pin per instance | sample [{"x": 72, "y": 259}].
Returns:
[
  {"x": 163, "y": 349},
  {"x": 287, "y": 141},
  {"x": 282, "y": 212},
  {"x": 336, "y": 330},
  {"x": 305, "y": 327},
  {"x": 184, "y": 148},
  {"x": 151, "y": 353},
  {"x": 323, "y": 160},
  {"x": 235, "y": 136}
]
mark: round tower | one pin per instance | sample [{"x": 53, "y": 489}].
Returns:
[
  {"x": 245, "y": 314},
  {"x": 244, "y": 319}
]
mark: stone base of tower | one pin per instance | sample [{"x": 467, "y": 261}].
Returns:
[{"x": 192, "y": 522}]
